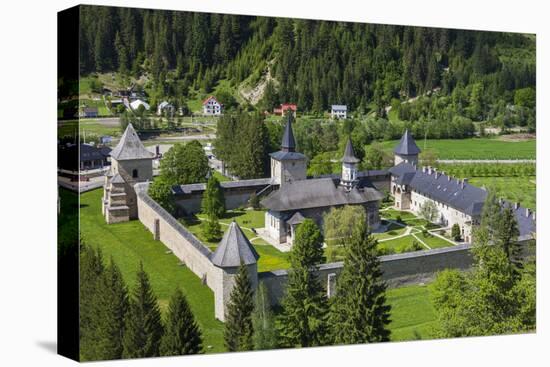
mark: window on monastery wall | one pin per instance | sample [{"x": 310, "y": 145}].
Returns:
[{"x": 135, "y": 173}]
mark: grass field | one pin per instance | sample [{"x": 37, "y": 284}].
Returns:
[
  {"x": 474, "y": 148},
  {"x": 129, "y": 243},
  {"x": 433, "y": 241},
  {"x": 413, "y": 315},
  {"x": 91, "y": 127},
  {"x": 514, "y": 189}
]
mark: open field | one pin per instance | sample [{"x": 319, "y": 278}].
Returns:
[
  {"x": 413, "y": 315},
  {"x": 90, "y": 126},
  {"x": 514, "y": 189},
  {"x": 129, "y": 243},
  {"x": 474, "y": 148}
]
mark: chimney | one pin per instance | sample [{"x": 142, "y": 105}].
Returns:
[
  {"x": 500, "y": 201},
  {"x": 516, "y": 205},
  {"x": 423, "y": 169},
  {"x": 534, "y": 217},
  {"x": 462, "y": 183},
  {"x": 449, "y": 178},
  {"x": 458, "y": 181},
  {"x": 430, "y": 170},
  {"x": 527, "y": 212},
  {"x": 436, "y": 173}
]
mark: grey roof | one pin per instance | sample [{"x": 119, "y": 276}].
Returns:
[
  {"x": 526, "y": 223},
  {"x": 130, "y": 147},
  {"x": 467, "y": 198},
  {"x": 234, "y": 249},
  {"x": 117, "y": 179},
  {"x": 287, "y": 156},
  {"x": 339, "y": 107},
  {"x": 297, "y": 218},
  {"x": 349, "y": 154},
  {"x": 407, "y": 145},
  {"x": 190, "y": 188},
  {"x": 90, "y": 153},
  {"x": 288, "y": 144},
  {"x": 317, "y": 193}
]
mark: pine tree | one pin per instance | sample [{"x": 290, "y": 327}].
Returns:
[
  {"x": 238, "y": 324},
  {"x": 91, "y": 272},
  {"x": 143, "y": 325},
  {"x": 263, "y": 322},
  {"x": 213, "y": 201},
  {"x": 506, "y": 236},
  {"x": 305, "y": 309},
  {"x": 112, "y": 299},
  {"x": 182, "y": 334},
  {"x": 359, "y": 313}
]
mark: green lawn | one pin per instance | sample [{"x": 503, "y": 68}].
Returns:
[
  {"x": 90, "y": 126},
  {"x": 433, "y": 241},
  {"x": 514, "y": 189},
  {"x": 220, "y": 177},
  {"x": 412, "y": 314},
  {"x": 129, "y": 243},
  {"x": 474, "y": 148},
  {"x": 393, "y": 231},
  {"x": 395, "y": 244}
]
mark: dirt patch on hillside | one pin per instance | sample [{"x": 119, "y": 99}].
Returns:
[
  {"x": 253, "y": 94},
  {"x": 517, "y": 137}
]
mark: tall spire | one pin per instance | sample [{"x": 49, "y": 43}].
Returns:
[
  {"x": 349, "y": 154},
  {"x": 407, "y": 145},
  {"x": 288, "y": 144}
]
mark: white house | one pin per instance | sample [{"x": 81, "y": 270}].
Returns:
[
  {"x": 138, "y": 102},
  {"x": 339, "y": 111},
  {"x": 211, "y": 106},
  {"x": 165, "y": 106}
]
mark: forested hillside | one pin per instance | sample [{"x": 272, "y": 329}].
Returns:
[{"x": 475, "y": 75}]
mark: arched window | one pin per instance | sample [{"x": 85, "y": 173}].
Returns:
[{"x": 135, "y": 173}]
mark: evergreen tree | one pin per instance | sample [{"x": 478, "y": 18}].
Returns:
[
  {"x": 213, "y": 201},
  {"x": 182, "y": 334},
  {"x": 238, "y": 330},
  {"x": 112, "y": 299},
  {"x": 143, "y": 326},
  {"x": 506, "y": 236},
  {"x": 303, "y": 321},
  {"x": 263, "y": 321},
  {"x": 91, "y": 273},
  {"x": 359, "y": 313}
]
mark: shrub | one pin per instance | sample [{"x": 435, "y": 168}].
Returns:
[{"x": 455, "y": 232}]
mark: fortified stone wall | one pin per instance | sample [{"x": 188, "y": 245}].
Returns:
[
  {"x": 398, "y": 269},
  {"x": 185, "y": 246}
]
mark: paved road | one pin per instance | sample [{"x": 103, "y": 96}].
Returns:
[{"x": 509, "y": 161}]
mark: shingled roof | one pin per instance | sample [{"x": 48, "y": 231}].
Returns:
[
  {"x": 234, "y": 249},
  {"x": 349, "y": 154},
  {"x": 130, "y": 147},
  {"x": 317, "y": 193},
  {"x": 407, "y": 145}
]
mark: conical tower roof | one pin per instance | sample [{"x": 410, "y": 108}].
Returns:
[
  {"x": 288, "y": 143},
  {"x": 349, "y": 154},
  {"x": 130, "y": 147},
  {"x": 407, "y": 145},
  {"x": 234, "y": 249}
]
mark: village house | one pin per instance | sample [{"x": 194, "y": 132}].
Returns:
[
  {"x": 211, "y": 106},
  {"x": 166, "y": 107},
  {"x": 88, "y": 112},
  {"x": 284, "y": 108},
  {"x": 338, "y": 111},
  {"x": 90, "y": 157},
  {"x": 138, "y": 102}
]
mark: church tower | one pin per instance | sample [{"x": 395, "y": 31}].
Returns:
[
  {"x": 131, "y": 163},
  {"x": 287, "y": 165},
  {"x": 406, "y": 150},
  {"x": 349, "y": 167}
]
